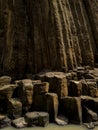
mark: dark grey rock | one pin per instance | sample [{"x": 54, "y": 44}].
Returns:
[
  {"x": 5, "y": 80},
  {"x": 61, "y": 120},
  {"x": 14, "y": 108},
  {"x": 75, "y": 88},
  {"x": 25, "y": 93},
  {"x": 37, "y": 118},
  {"x": 6, "y": 91},
  {"x": 19, "y": 123},
  {"x": 71, "y": 109},
  {"x": 52, "y": 105},
  {"x": 4, "y": 121},
  {"x": 89, "y": 125},
  {"x": 41, "y": 88}
]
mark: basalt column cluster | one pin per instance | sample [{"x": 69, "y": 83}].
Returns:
[{"x": 37, "y": 35}]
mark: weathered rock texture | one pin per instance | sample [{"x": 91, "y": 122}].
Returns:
[{"x": 47, "y": 34}]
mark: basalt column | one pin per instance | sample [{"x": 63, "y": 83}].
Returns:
[{"x": 38, "y": 35}]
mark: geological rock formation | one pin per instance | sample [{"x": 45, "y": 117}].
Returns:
[{"x": 47, "y": 35}]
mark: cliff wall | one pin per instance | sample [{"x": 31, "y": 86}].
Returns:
[{"x": 36, "y": 35}]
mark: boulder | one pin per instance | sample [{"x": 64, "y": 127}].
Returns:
[
  {"x": 19, "y": 123},
  {"x": 95, "y": 123},
  {"x": 4, "y": 121},
  {"x": 14, "y": 108},
  {"x": 61, "y": 120},
  {"x": 41, "y": 88},
  {"x": 37, "y": 118},
  {"x": 89, "y": 125},
  {"x": 52, "y": 105},
  {"x": 6, "y": 91},
  {"x": 5, "y": 80},
  {"x": 25, "y": 93},
  {"x": 71, "y": 108},
  {"x": 75, "y": 88},
  {"x": 57, "y": 81}
]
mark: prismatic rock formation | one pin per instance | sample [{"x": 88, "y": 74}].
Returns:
[{"x": 38, "y": 35}]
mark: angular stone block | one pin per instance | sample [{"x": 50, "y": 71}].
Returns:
[
  {"x": 6, "y": 91},
  {"x": 4, "y": 121},
  {"x": 71, "y": 108},
  {"x": 5, "y": 80},
  {"x": 84, "y": 87},
  {"x": 75, "y": 88},
  {"x": 57, "y": 81},
  {"x": 14, "y": 108},
  {"x": 52, "y": 105},
  {"x": 25, "y": 93},
  {"x": 92, "y": 89},
  {"x": 89, "y": 125},
  {"x": 88, "y": 112},
  {"x": 37, "y": 118},
  {"x": 41, "y": 88},
  {"x": 19, "y": 123}
]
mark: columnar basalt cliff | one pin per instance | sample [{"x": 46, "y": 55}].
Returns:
[
  {"x": 47, "y": 35},
  {"x": 48, "y": 62}
]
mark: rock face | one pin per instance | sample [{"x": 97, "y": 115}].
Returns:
[
  {"x": 59, "y": 36},
  {"x": 71, "y": 107},
  {"x": 60, "y": 40},
  {"x": 57, "y": 81}
]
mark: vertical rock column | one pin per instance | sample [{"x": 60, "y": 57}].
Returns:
[
  {"x": 3, "y": 29},
  {"x": 80, "y": 18},
  {"x": 92, "y": 11},
  {"x": 7, "y": 63},
  {"x": 20, "y": 38}
]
